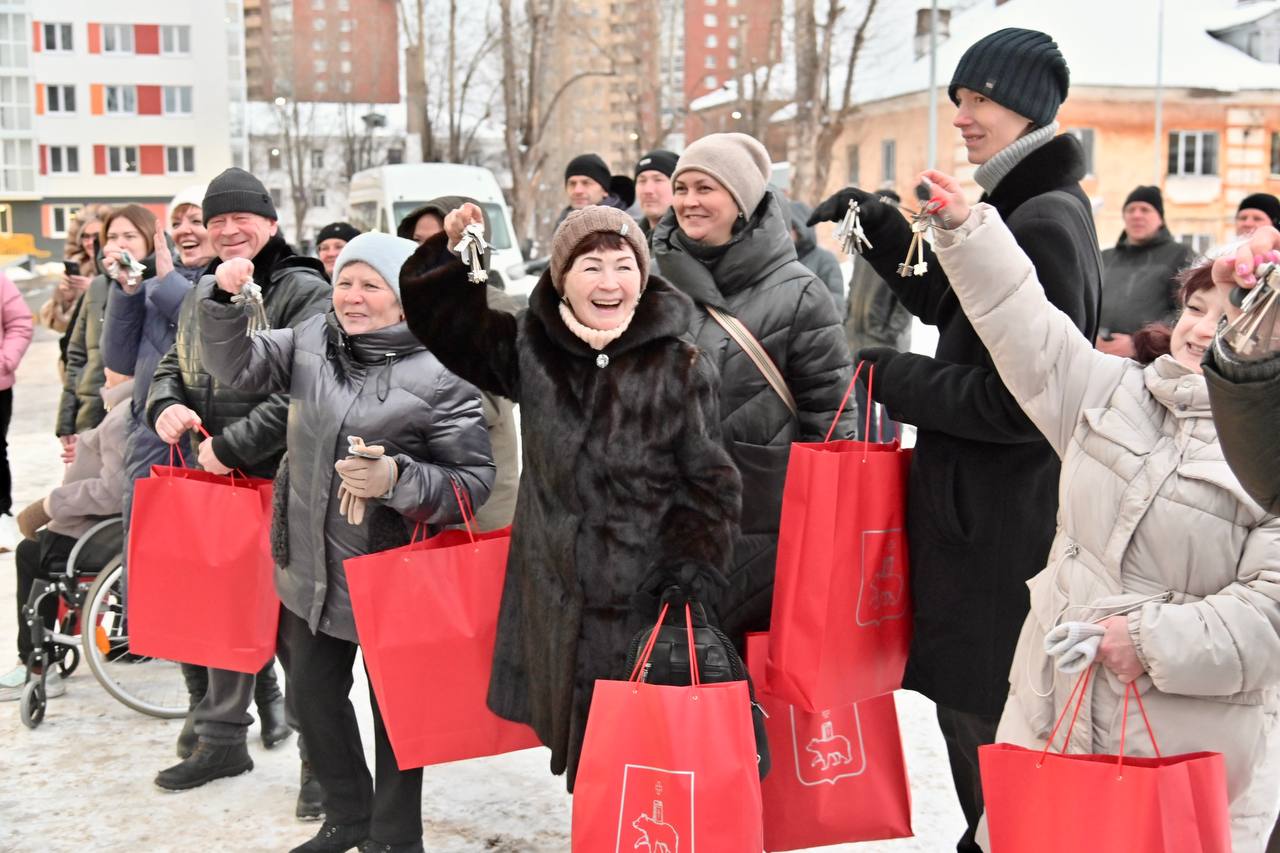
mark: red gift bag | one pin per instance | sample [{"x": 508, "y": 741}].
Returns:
[
  {"x": 1057, "y": 803},
  {"x": 427, "y": 618},
  {"x": 200, "y": 571},
  {"x": 668, "y": 769},
  {"x": 838, "y": 775},
  {"x": 841, "y": 623}
]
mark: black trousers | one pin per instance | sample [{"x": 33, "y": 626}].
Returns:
[
  {"x": 320, "y": 680},
  {"x": 1273, "y": 846},
  {"x": 42, "y": 557},
  {"x": 6, "y": 479},
  {"x": 964, "y": 733}
]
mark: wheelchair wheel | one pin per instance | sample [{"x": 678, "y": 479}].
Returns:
[
  {"x": 68, "y": 658},
  {"x": 147, "y": 685},
  {"x": 32, "y": 704}
]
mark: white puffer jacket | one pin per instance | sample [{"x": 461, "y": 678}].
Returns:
[{"x": 1151, "y": 523}]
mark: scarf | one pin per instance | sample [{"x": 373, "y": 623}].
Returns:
[
  {"x": 991, "y": 173},
  {"x": 597, "y": 339}
]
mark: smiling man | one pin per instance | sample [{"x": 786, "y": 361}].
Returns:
[{"x": 247, "y": 428}]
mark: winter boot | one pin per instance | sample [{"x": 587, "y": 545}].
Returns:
[
  {"x": 187, "y": 738},
  {"x": 209, "y": 761},
  {"x": 336, "y": 838},
  {"x": 270, "y": 702},
  {"x": 310, "y": 795},
  {"x": 372, "y": 846}
]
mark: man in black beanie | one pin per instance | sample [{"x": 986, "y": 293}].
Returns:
[
  {"x": 1256, "y": 210},
  {"x": 1138, "y": 274},
  {"x": 587, "y": 181},
  {"x": 653, "y": 186},
  {"x": 331, "y": 240},
  {"x": 247, "y": 428},
  {"x": 983, "y": 485}
]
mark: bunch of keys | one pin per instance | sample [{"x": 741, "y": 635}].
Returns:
[
  {"x": 1252, "y": 335},
  {"x": 850, "y": 234},
  {"x": 250, "y": 297},
  {"x": 472, "y": 247},
  {"x": 921, "y": 222},
  {"x": 135, "y": 268}
]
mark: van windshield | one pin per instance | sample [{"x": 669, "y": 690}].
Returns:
[{"x": 498, "y": 238}]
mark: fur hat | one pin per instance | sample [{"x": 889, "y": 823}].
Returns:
[
  {"x": 738, "y": 161},
  {"x": 385, "y": 253},
  {"x": 581, "y": 224}
]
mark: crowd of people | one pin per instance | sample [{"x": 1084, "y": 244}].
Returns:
[{"x": 1090, "y": 451}]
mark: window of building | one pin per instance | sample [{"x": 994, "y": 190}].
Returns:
[
  {"x": 319, "y": 66},
  {"x": 273, "y": 158},
  {"x": 60, "y": 98},
  {"x": 1199, "y": 243},
  {"x": 316, "y": 198},
  {"x": 711, "y": 2},
  {"x": 344, "y": 46},
  {"x": 122, "y": 100},
  {"x": 711, "y": 40},
  {"x": 733, "y": 42},
  {"x": 17, "y": 166},
  {"x": 122, "y": 160},
  {"x": 317, "y": 158},
  {"x": 345, "y": 66},
  {"x": 709, "y": 20},
  {"x": 177, "y": 100},
  {"x": 320, "y": 86},
  {"x": 346, "y": 25},
  {"x": 734, "y": 20},
  {"x": 710, "y": 81},
  {"x": 63, "y": 159},
  {"x": 1193, "y": 152},
  {"x": 853, "y": 157},
  {"x": 319, "y": 23},
  {"x": 732, "y": 2},
  {"x": 317, "y": 5},
  {"x": 395, "y": 155},
  {"x": 345, "y": 86},
  {"x": 1275, "y": 153},
  {"x": 344, "y": 5},
  {"x": 58, "y": 37},
  {"x": 117, "y": 38},
  {"x": 13, "y": 40},
  {"x": 180, "y": 159},
  {"x": 888, "y": 160},
  {"x": 711, "y": 60},
  {"x": 15, "y": 102},
  {"x": 6, "y": 219},
  {"x": 175, "y": 38},
  {"x": 1085, "y": 136},
  {"x": 733, "y": 61},
  {"x": 277, "y": 197},
  {"x": 60, "y": 216}
]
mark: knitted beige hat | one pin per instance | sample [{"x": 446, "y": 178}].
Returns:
[
  {"x": 736, "y": 160},
  {"x": 581, "y": 224}
]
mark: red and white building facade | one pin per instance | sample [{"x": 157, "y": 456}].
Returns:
[{"x": 124, "y": 102}]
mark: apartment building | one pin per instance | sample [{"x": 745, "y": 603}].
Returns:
[{"x": 119, "y": 103}]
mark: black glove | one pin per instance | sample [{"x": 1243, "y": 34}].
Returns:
[
  {"x": 876, "y": 358},
  {"x": 872, "y": 212}
]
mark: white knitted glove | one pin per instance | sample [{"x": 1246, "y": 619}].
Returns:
[{"x": 1074, "y": 644}]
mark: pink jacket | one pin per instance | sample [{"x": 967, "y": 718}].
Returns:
[{"x": 15, "y": 330}]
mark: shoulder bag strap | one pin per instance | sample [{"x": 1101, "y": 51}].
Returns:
[{"x": 756, "y": 352}]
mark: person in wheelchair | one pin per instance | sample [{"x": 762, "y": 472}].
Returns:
[{"x": 92, "y": 489}]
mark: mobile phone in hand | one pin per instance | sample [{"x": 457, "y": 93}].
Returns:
[{"x": 71, "y": 267}]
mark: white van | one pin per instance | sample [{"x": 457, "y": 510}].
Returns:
[{"x": 380, "y": 197}]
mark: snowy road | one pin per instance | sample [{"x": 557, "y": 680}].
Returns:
[{"x": 83, "y": 780}]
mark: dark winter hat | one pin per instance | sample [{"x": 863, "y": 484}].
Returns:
[
  {"x": 660, "y": 160},
  {"x": 1022, "y": 70},
  {"x": 591, "y": 166},
  {"x": 344, "y": 231},
  {"x": 1267, "y": 203},
  {"x": 581, "y": 224},
  {"x": 237, "y": 191},
  {"x": 1151, "y": 195}
]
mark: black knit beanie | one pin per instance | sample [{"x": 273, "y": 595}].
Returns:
[
  {"x": 237, "y": 191},
  {"x": 660, "y": 160},
  {"x": 1265, "y": 202},
  {"x": 344, "y": 231},
  {"x": 1151, "y": 195},
  {"x": 1021, "y": 70},
  {"x": 590, "y": 166}
]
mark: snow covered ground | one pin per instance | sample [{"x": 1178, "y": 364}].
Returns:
[{"x": 83, "y": 780}]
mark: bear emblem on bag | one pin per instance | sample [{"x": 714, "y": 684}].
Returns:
[
  {"x": 827, "y": 745},
  {"x": 656, "y": 835},
  {"x": 831, "y": 749},
  {"x": 883, "y": 594}
]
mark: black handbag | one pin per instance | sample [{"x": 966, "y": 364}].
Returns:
[{"x": 718, "y": 661}]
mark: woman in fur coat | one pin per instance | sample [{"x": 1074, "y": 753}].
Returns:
[{"x": 626, "y": 486}]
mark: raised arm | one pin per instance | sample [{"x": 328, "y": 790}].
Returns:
[{"x": 263, "y": 362}]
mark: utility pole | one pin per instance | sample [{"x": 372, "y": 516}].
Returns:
[
  {"x": 1159, "y": 130},
  {"x": 933, "y": 85}
]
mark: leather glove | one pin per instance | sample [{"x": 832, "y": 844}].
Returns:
[
  {"x": 1074, "y": 644},
  {"x": 371, "y": 474},
  {"x": 31, "y": 519},
  {"x": 872, "y": 212},
  {"x": 350, "y": 505}
]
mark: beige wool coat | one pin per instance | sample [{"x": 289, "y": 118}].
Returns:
[{"x": 1151, "y": 524}]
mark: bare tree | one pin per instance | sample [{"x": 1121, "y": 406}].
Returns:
[
  {"x": 296, "y": 126},
  {"x": 821, "y": 116},
  {"x": 413, "y": 23}
]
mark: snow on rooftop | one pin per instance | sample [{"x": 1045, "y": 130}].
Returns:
[
  {"x": 1245, "y": 14},
  {"x": 1105, "y": 42},
  {"x": 779, "y": 79}
]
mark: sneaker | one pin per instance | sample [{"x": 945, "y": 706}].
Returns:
[
  {"x": 12, "y": 682},
  {"x": 10, "y": 535},
  {"x": 210, "y": 761},
  {"x": 54, "y": 685}
]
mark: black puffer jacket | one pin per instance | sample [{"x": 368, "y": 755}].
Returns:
[
  {"x": 1138, "y": 284},
  {"x": 81, "y": 406},
  {"x": 248, "y": 426},
  {"x": 625, "y": 487},
  {"x": 1245, "y": 398},
  {"x": 758, "y": 279},
  {"x": 983, "y": 491}
]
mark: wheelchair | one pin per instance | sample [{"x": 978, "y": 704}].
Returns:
[{"x": 91, "y": 622}]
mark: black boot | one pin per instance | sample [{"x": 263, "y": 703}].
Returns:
[
  {"x": 187, "y": 738},
  {"x": 335, "y": 838},
  {"x": 270, "y": 702},
  {"x": 372, "y": 846},
  {"x": 209, "y": 761},
  {"x": 310, "y": 795}
]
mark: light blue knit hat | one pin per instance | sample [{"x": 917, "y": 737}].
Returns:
[{"x": 384, "y": 252}]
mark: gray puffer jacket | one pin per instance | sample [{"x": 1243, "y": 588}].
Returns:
[
  {"x": 383, "y": 386},
  {"x": 757, "y": 279}
]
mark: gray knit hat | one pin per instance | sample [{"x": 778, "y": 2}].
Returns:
[
  {"x": 1021, "y": 70},
  {"x": 581, "y": 224},
  {"x": 736, "y": 160},
  {"x": 385, "y": 253},
  {"x": 237, "y": 191}
]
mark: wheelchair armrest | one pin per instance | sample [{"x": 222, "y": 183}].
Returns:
[{"x": 105, "y": 526}]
